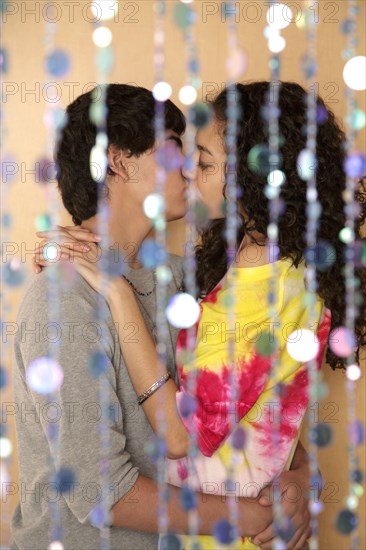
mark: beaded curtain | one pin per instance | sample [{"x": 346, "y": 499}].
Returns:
[{"x": 100, "y": 21}]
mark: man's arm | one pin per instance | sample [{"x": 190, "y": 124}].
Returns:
[
  {"x": 80, "y": 414},
  {"x": 138, "y": 510}
]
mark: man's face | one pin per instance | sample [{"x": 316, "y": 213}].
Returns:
[{"x": 164, "y": 160}]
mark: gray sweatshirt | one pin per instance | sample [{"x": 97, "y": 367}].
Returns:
[{"x": 75, "y": 409}]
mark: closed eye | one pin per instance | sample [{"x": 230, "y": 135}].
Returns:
[{"x": 203, "y": 166}]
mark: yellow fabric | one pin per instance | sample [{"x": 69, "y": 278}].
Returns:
[{"x": 252, "y": 317}]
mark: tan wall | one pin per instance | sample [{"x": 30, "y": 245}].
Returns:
[{"x": 26, "y": 138}]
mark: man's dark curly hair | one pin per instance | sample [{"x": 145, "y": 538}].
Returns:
[
  {"x": 130, "y": 127},
  {"x": 211, "y": 253}
]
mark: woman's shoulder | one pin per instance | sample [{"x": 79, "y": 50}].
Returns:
[{"x": 254, "y": 255}]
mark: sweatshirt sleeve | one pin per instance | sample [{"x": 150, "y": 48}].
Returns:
[{"x": 84, "y": 438}]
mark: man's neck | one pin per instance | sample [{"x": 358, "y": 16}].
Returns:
[{"x": 127, "y": 240}]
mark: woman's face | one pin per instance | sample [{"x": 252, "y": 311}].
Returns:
[{"x": 211, "y": 168}]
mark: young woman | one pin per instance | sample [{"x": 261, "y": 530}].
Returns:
[{"x": 256, "y": 272}]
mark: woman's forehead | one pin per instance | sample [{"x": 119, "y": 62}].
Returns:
[{"x": 210, "y": 138}]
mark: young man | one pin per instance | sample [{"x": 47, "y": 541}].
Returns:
[{"x": 62, "y": 468}]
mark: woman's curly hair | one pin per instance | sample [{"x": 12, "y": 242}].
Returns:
[
  {"x": 130, "y": 112},
  {"x": 212, "y": 254}
]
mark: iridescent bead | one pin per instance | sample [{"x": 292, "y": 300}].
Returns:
[{"x": 346, "y": 522}]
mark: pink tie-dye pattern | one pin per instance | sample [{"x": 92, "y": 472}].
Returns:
[
  {"x": 182, "y": 469},
  {"x": 294, "y": 400},
  {"x": 211, "y": 420}
]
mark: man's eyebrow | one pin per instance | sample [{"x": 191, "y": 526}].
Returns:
[
  {"x": 177, "y": 140},
  {"x": 204, "y": 149}
]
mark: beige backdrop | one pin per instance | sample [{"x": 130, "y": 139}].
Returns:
[{"x": 28, "y": 95}]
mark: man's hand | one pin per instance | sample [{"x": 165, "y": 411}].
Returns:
[{"x": 253, "y": 517}]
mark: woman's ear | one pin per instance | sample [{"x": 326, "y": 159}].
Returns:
[{"x": 116, "y": 161}]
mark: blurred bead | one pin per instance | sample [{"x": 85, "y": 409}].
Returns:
[
  {"x": 342, "y": 341},
  {"x": 357, "y": 476},
  {"x": 4, "y": 61},
  {"x": 100, "y": 517},
  {"x": 58, "y": 63},
  {"x": 44, "y": 375},
  {"x": 105, "y": 59},
  {"x": 155, "y": 448},
  {"x": 151, "y": 254},
  {"x": 64, "y": 479},
  {"x": 346, "y": 235},
  {"x": 224, "y": 532},
  {"x": 351, "y": 502},
  {"x": 200, "y": 115},
  {"x": 321, "y": 435},
  {"x": 348, "y": 26},
  {"x": 316, "y": 507},
  {"x": 357, "y": 119},
  {"x": 308, "y": 66},
  {"x": 188, "y": 499},
  {"x": 322, "y": 255},
  {"x": 184, "y": 16},
  {"x": 3, "y": 378},
  {"x": 285, "y": 529},
  {"x": 355, "y": 165},
  {"x": 346, "y": 522},
  {"x": 45, "y": 170},
  {"x": 266, "y": 344},
  {"x": 43, "y": 222},
  {"x": 170, "y": 542},
  {"x": 187, "y": 404},
  {"x": 97, "y": 364},
  {"x": 259, "y": 161},
  {"x": 321, "y": 114},
  {"x": 238, "y": 439},
  {"x": 356, "y": 432},
  {"x": 357, "y": 490},
  {"x": 236, "y": 64}
]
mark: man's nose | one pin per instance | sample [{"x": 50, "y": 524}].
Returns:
[{"x": 189, "y": 168}]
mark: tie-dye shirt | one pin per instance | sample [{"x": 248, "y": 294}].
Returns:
[{"x": 265, "y": 397}]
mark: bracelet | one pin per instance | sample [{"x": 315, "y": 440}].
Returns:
[{"x": 155, "y": 386}]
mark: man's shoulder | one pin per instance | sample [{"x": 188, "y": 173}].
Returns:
[
  {"x": 43, "y": 292},
  {"x": 176, "y": 264}
]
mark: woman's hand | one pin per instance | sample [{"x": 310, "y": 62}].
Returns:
[
  {"x": 294, "y": 489},
  {"x": 69, "y": 240},
  {"x": 78, "y": 245}
]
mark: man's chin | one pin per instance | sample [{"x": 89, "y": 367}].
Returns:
[
  {"x": 178, "y": 213},
  {"x": 175, "y": 217}
]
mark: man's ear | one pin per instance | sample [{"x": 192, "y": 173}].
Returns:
[{"x": 117, "y": 161}]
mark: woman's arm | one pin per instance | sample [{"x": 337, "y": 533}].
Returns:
[
  {"x": 144, "y": 368},
  {"x": 141, "y": 358},
  {"x": 294, "y": 487}
]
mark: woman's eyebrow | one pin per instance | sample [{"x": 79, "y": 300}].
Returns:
[
  {"x": 176, "y": 139},
  {"x": 203, "y": 149}
]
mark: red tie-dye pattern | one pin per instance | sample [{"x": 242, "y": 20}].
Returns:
[
  {"x": 211, "y": 298},
  {"x": 211, "y": 420},
  {"x": 294, "y": 398}
]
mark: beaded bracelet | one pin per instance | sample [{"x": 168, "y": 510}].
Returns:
[{"x": 155, "y": 386}]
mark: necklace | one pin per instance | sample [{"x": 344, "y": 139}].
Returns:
[{"x": 136, "y": 289}]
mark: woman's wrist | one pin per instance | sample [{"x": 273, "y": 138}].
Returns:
[{"x": 118, "y": 291}]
